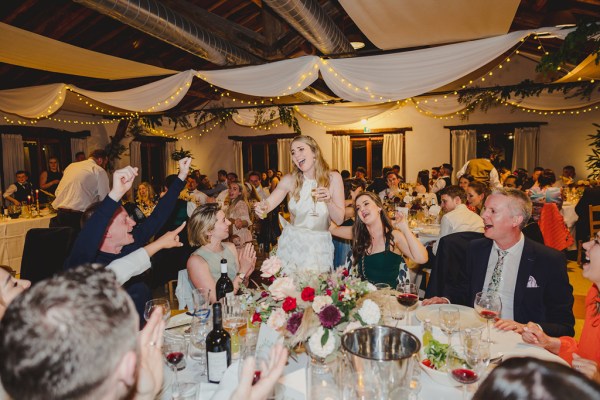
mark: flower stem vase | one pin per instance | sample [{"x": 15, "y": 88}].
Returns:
[{"x": 322, "y": 376}]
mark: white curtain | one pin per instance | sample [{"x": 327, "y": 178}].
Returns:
[
  {"x": 171, "y": 165},
  {"x": 525, "y": 153},
  {"x": 13, "y": 157},
  {"x": 341, "y": 153},
  {"x": 464, "y": 148},
  {"x": 284, "y": 156},
  {"x": 238, "y": 159},
  {"x": 135, "y": 160},
  {"x": 392, "y": 151},
  {"x": 78, "y": 145}
]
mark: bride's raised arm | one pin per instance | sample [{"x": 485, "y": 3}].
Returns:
[{"x": 283, "y": 188}]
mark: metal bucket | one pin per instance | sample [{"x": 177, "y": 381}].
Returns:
[{"x": 378, "y": 362}]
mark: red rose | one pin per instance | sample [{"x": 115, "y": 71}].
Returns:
[
  {"x": 328, "y": 292},
  {"x": 341, "y": 296},
  {"x": 256, "y": 318},
  {"x": 272, "y": 279},
  {"x": 289, "y": 304},
  {"x": 264, "y": 294},
  {"x": 308, "y": 294},
  {"x": 345, "y": 272}
]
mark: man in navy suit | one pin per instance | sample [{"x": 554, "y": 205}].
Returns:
[{"x": 532, "y": 280}]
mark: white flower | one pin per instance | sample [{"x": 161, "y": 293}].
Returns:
[
  {"x": 315, "y": 343},
  {"x": 277, "y": 319},
  {"x": 371, "y": 287},
  {"x": 270, "y": 267},
  {"x": 321, "y": 301},
  {"x": 352, "y": 325},
  {"x": 282, "y": 288},
  {"x": 369, "y": 312}
]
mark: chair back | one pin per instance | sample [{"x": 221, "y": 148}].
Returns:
[
  {"x": 594, "y": 223},
  {"x": 449, "y": 267},
  {"x": 45, "y": 251}
]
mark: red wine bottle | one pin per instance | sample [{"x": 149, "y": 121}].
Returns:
[
  {"x": 218, "y": 348},
  {"x": 224, "y": 284}
]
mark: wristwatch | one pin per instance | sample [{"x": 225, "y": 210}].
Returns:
[{"x": 241, "y": 275}]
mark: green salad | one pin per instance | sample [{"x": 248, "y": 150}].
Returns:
[{"x": 436, "y": 354}]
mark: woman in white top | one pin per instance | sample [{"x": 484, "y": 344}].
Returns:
[
  {"x": 305, "y": 243},
  {"x": 238, "y": 212}
]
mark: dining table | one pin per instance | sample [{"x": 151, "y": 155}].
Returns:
[
  {"x": 12, "y": 237},
  {"x": 425, "y": 384}
]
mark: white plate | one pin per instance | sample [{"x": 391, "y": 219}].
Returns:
[
  {"x": 178, "y": 324},
  {"x": 468, "y": 316}
]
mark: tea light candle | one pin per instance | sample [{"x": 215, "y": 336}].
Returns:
[
  {"x": 28, "y": 200},
  {"x": 37, "y": 194}
]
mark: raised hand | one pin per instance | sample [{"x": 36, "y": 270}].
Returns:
[
  {"x": 264, "y": 387},
  {"x": 184, "y": 167},
  {"x": 122, "y": 181},
  {"x": 150, "y": 340},
  {"x": 248, "y": 259}
]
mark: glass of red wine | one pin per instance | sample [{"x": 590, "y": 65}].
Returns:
[
  {"x": 175, "y": 349},
  {"x": 464, "y": 367},
  {"x": 488, "y": 305},
  {"x": 407, "y": 297}
]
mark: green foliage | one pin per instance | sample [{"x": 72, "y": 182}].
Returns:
[
  {"x": 181, "y": 153},
  {"x": 593, "y": 160},
  {"x": 287, "y": 116}
]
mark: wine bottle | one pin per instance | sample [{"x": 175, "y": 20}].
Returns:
[
  {"x": 218, "y": 348},
  {"x": 224, "y": 284}
]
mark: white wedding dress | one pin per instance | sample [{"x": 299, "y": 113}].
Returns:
[{"x": 305, "y": 244}]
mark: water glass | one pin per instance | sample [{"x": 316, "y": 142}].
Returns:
[
  {"x": 197, "y": 348},
  {"x": 470, "y": 338},
  {"x": 154, "y": 303},
  {"x": 449, "y": 320}
]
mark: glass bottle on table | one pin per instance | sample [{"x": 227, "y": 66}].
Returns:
[
  {"x": 224, "y": 284},
  {"x": 218, "y": 347}
]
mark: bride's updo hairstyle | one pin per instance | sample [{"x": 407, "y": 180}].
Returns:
[{"x": 321, "y": 167}]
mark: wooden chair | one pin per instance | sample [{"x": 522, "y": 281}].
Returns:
[
  {"x": 170, "y": 289},
  {"x": 594, "y": 228}
]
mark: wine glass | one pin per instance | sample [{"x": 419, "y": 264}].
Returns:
[
  {"x": 407, "y": 297},
  {"x": 464, "y": 367},
  {"x": 233, "y": 319},
  {"x": 261, "y": 208},
  {"x": 201, "y": 299},
  {"x": 449, "y": 320},
  {"x": 314, "y": 194},
  {"x": 488, "y": 305},
  {"x": 248, "y": 349},
  {"x": 470, "y": 338},
  {"x": 174, "y": 349},
  {"x": 199, "y": 329},
  {"x": 154, "y": 303}
]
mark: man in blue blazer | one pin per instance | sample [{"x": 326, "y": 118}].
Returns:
[{"x": 530, "y": 278}]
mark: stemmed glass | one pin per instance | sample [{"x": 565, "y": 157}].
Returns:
[
  {"x": 154, "y": 303},
  {"x": 314, "y": 194},
  {"x": 261, "y": 207},
  {"x": 174, "y": 350},
  {"x": 464, "y": 366},
  {"x": 233, "y": 319},
  {"x": 407, "y": 297},
  {"x": 449, "y": 320},
  {"x": 488, "y": 305}
]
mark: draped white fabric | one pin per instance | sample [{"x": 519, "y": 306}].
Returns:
[
  {"x": 284, "y": 156},
  {"x": 341, "y": 153},
  {"x": 390, "y": 24},
  {"x": 135, "y": 159},
  {"x": 238, "y": 159},
  {"x": 247, "y": 116},
  {"x": 464, "y": 148},
  {"x": 34, "y": 101},
  {"x": 393, "y": 151},
  {"x": 78, "y": 145},
  {"x": 13, "y": 158},
  {"x": 438, "y": 105},
  {"x": 344, "y": 113},
  {"x": 525, "y": 153},
  {"x": 171, "y": 164},
  {"x": 274, "y": 79}
]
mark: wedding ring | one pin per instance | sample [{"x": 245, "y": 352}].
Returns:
[{"x": 151, "y": 344}]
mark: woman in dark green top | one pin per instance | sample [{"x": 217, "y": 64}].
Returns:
[{"x": 377, "y": 246}]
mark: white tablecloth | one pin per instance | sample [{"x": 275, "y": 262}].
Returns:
[
  {"x": 12, "y": 238},
  {"x": 569, "y": 214},
  {"x": 293, "y": 381}
]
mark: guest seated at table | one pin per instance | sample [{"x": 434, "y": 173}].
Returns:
[
  {"x": 21, "y": 190},
  {"x": 209, "y": 228},
  {"x": 342, "y": 248},
  {"x": 476, "y": 194},
  {"x": 513, "y": 181},
  {"x": 378, "y": 247},
  {"x": 238, "y": 212},
  {"x": 379, "y": 183},
  {"x": 196, "y": 196},
  {"x": 530, "y": 278},
  {"x": 457, "y": 217},
  {"x": 393, "y": 187},
  {"x": 532, "y": 180},
  {"x": 145, "y": 198},
  {"x": 10, "y": 287},
  {"x": 527, "y": 378},
  {"x": 464, "y": 181},
  {"x": 584, "y": 355},
  {"x": 568, "y": 176},
  {"x": 50, "y": 178},
  {"x": 422, "y": 185},
  {"x": 543, "y": 192}
]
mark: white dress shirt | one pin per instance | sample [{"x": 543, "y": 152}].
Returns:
[
  {"x": 83, "y": 183},
  {"x": 510, "y": 270},
  {"x": 461, "y": 219}
]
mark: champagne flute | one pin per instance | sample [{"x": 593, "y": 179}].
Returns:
[
  {"x": 154, "y": 303},
  {"x": 449, "y": 320},
  {"x": 464, "y": 367},
  {"x": 488, "y": 305},
  {"x": 314, "y": 193},
  {"x": 233, "y": 319},
  {"x": 407, "y": 297},
  {"x": 262, "y": 207}
]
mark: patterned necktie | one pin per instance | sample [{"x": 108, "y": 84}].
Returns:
[{"x": 497, "y": 274}]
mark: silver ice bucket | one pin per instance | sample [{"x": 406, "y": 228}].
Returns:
[{"x": 378, "y": 362}]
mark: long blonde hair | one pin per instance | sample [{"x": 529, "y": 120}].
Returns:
[
  {"x": 150, "y": 194},
  {"x": 321, "y": 167},
  {"x": 242, "y": 197}
]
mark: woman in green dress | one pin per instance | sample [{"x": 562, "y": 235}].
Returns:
[{"x": 378, "y": 247}]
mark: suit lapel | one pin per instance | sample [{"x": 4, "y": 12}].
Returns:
[
  {"x": 525, "y": 268},
  {"x": 481, "y": 257}
]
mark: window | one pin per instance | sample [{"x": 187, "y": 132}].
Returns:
[
  {"x": 260, "y": 155},
  {"x": 153, "y": 163},
  {"x": 501, "y": 141},
  {"x": 367, "y": 152},
  {"x": 38, "y": 149}
]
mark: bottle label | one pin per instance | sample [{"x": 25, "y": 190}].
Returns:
[{"x": 217, "y": 365}]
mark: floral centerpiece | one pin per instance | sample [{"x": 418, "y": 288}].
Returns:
[{"x": 313, "y": 308}]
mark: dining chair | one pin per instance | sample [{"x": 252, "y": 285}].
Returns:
[
  {"x": 594, "y": 228},
  {"x": 45, "y": 251}
]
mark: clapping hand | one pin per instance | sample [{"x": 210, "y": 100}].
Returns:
[
  {"x": 150, "y": 339},
  {"x": 269, "y": 377},
  {"x": 122, "y": 182},
  {"x": 184, "y": 167},
  {"x": 247, "y": 259}
]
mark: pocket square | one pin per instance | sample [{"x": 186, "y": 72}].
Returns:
[{"x": 531, "y": 283}]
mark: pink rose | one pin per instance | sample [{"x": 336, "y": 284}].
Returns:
[
  {"x": 270, "y": 267},
  {"x": 277, "y": 319},
  {"x": 282, "y": 288}
]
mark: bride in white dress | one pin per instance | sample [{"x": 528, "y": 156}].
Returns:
[{"x": 305, "y": 244}]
